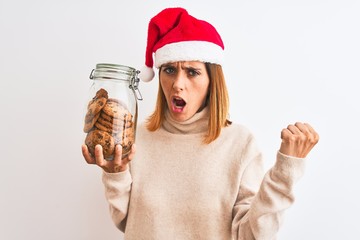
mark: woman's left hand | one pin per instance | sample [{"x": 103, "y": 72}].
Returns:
[{"x": 298, "y": 140}]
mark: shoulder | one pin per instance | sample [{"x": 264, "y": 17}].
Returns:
[
  {"x": 143, "y": 132},
  {"x": 238, "y": 131},
  {"x": 141, "y": 129},
  {"x": 241, "y": 137},
  {"x": 141, "y": 126}
]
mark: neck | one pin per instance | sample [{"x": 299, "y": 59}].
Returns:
[{"x": 196, "y": 124}]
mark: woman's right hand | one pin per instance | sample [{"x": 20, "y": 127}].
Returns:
[{"x": 116, "y": 165}]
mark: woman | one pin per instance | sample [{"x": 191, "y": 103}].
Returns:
[{"x": 194, "y": 174}]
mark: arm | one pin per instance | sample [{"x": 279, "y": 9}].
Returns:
[
  {"x": 117, "y": 193},
  {"x": 258, "y": 215},
  {"x": 117, "y": 181},
  {"x": 258, "y": 212}
]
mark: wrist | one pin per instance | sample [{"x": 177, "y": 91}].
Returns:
[{"x": 117, "y": 169}]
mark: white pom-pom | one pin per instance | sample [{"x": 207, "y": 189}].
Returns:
[{"x": 146, "y": 74}]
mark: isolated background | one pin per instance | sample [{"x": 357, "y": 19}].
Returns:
[{"x": 286, "y": 61}]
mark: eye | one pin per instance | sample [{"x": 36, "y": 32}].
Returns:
[
  {"x": 169, "y": 70},
  {"x": 193, "y": 72}
]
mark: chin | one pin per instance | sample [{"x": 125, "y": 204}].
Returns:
[{"x": 179, "y": 117}]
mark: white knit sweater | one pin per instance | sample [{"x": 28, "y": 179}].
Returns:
[{"x": 179, "y": 188}]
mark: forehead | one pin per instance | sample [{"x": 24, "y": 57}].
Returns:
[{"x": 186, "y": 64}]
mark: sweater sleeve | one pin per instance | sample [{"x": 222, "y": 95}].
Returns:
[
  {"x": 117, "y": 193},
  {"x": 261, "y": 202}
]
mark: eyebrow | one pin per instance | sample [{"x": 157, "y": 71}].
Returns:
[
  {"x": 168, "y": 65},
  {"x": 190, "y": 67},
  {"x": 181, "y": 66}
]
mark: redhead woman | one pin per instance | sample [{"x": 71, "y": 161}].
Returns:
[{"x": 195, "y": 174}]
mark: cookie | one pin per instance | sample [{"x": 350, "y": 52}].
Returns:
[
  {"x": 89, "y": 123},
  {"x": 125, "y": 137},
  {"x": 123, "y": 140},
  {"x": 114, "y": 109},
  {"x": 127, "y": 143},
  {"x": 102, "y": 93},
  {"x": 104, "y": 139},
  {"x": 96, "y": 104},
  {"x": 117, "y": 121},
  {"x": 127, "y": 117},
  {"x": 110, "y": 130},
  {"x": 115, "y": 125},
  {"x": 128, "y": 131}
]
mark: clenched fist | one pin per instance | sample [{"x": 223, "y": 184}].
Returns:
[{"x": 298, "y": 140}]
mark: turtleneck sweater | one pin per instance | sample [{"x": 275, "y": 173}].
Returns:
[{"x": 177, "y": 187}]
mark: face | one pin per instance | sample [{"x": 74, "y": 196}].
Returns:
[{"x": 185, "y": 86}]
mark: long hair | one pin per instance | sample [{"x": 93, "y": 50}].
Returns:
[{"x": 217, "y": 99}]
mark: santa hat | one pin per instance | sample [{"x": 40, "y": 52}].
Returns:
[{"x": 174, "y": 35}]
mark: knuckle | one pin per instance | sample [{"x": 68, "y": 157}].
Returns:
[
  {"x": 285, "y": 135},
  {"x": 315, "y": 139},
  {"x": 292, "y": 138},
  {"x": 100, "y": 163},
  {"x": 298, "y": 124},
  {"x": 316, "y": 136},
  {"x": 303, "y": 138}
]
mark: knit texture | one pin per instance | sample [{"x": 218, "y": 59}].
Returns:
[{"x": 179, "y": 188}]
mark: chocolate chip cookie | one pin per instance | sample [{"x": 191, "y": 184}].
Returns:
[
  {"x": 104, "y": 139},
  {"x": 108, "y": 122}
]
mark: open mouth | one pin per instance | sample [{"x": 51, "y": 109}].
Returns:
[{"x": 178, "y": 104}]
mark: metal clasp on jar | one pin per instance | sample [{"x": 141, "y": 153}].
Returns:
[{"x": 134, "y": 83}]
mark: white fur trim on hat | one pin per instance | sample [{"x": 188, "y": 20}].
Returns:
[
  {"x": 146, "y": 74},
  {"x": 189, "y": 51}
]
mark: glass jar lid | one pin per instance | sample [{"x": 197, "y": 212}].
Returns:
[
  {"x": 113, "y": 71},
  {"x": 109, "y": 71}
]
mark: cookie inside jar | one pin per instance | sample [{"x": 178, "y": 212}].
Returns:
[{"x": 108, "y": 122}]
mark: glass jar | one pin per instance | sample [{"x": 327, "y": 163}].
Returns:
[{"x": 112, "y": 109}]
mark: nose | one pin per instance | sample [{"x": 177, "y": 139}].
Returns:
[{"x": 179, "y": 82}]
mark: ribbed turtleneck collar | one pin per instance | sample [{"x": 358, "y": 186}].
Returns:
[{"x": 196, "y": 124}]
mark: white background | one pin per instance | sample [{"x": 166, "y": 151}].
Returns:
[{"x": 286, "y": 61}]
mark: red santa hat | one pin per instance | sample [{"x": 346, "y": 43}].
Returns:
[{"x": 174, "y": 35}]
